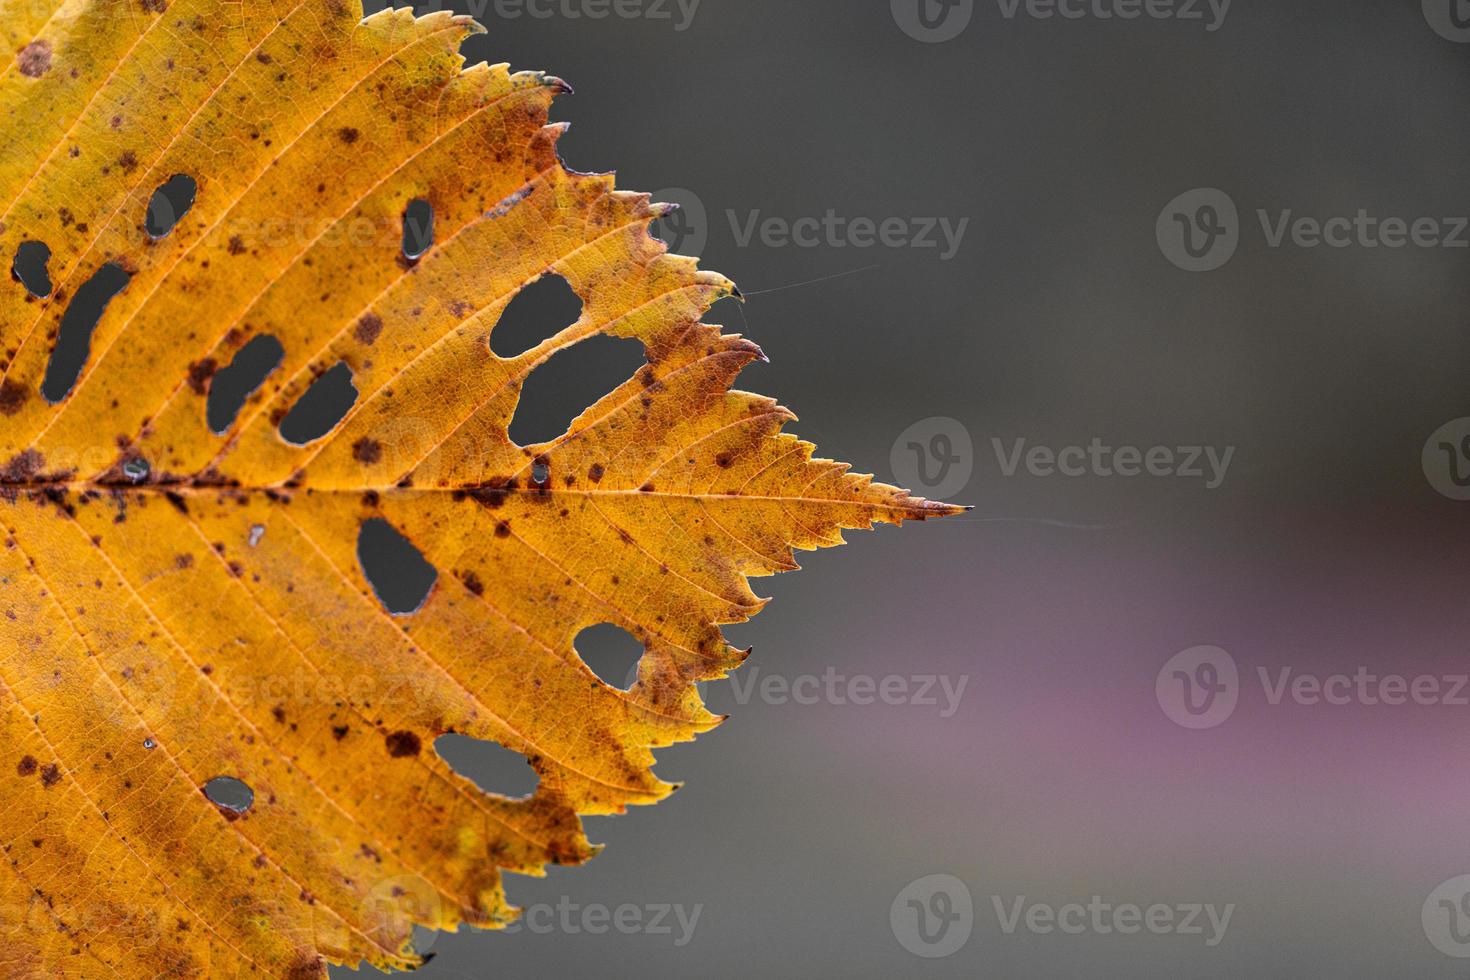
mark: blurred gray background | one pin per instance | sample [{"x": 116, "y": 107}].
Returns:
[{"x": 1333, "y": 832}]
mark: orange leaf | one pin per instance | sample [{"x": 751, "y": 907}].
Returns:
[{"x": 181, "y": 595}]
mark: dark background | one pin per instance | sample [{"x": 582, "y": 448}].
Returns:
[{"x": 1325, "y": 550}]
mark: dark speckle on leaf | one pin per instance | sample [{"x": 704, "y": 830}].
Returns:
[
  {"x": 12, "y": 397},
  {"x": 401, "y": 744},
  {"x": 199, "y": 374},
  {"x": 367, "y": 451},
  {"x": 368, "y": 328},
  {"x": 35, "y": 58}
]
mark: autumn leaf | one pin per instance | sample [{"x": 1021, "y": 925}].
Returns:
[{"x": 185, "y": 611}]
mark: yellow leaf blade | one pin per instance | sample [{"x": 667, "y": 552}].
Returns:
[{"x": 181, "y": 605}]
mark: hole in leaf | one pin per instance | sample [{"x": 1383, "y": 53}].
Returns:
[
  {"x": 489, "y": 765},
  {"x": 542, "y": 309},
  {"x": 169, "y": 204},
  {"x": 325, "y": 403},
  {"x": 612, "y": 653},
  {"x": 29, "y": 268},
  {"x": 229, "y": 793},
  {"x": 400, "y": 576},
  {"x": 230, "y": 387},
  {"x": 571, "y": 381},
  {"x": 74, "y": 339},
  {"x": 418, "y": 228}
]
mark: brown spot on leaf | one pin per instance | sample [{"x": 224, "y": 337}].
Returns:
[
  {"x": 50, "y": 775},
  {"x": 12, "y": 397},
  {"x": 199, "y": 374},
  {"x": 22, "y": 468},
  {"x": 26, "y": 766},
  {"x": 35, "y": 58},
  {"x": 348, "y": 135},
  {"x": 367, "y": 451},
  {"x": 368, "y": 328},
  {"x": 493, "y": 494},
  {"x": 401, "y": 744}
]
